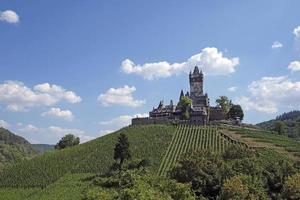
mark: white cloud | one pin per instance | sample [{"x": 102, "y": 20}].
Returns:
[
  {"x": 4, "y": 124},
  {"x": 29, "y": 129},
  {"x": 276, "y": 45},
  {"x": 232, "y": 89},
  {"x": 120, "y": 96},
  {"x": 9, "y": 16},
  {"x": 268, "y": 93},
  {"x": 296, "y": 32},
  {"x": 52, "y": 134},
  {"x": 209, "y": 59},
  {"x": 60, "y": 132},
  {"x": 294, "y": 66},
  {"x": 121, "y": 121},
  {"x": 18, "y": 97},
  {"x": 57, "y": 112}
]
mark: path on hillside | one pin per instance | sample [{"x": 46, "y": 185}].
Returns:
[{"x": 254, "y": 143}]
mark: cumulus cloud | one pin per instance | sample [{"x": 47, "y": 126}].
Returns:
[
  {"x": 276, "y": 45},
  {"x": 58, "y": 113},
  {"x": 9, "y": 16},
  {"x": 296, "y": 32},
  {"x": 18, "y": 97},
  {"x": 268, "y": 93},
  {"x": 210, "y": 59},
  {"x": 232, "y": 89},
  {"x": 120, "y": 96},
  {"x": 4, "y": 124},
  {"x": 294, "y": 66},
  {"x": 51, "y": 134},
  {"x": 29, "y": 128}
]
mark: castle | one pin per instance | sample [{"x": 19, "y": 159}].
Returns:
[{"x": 200, "y": 112}]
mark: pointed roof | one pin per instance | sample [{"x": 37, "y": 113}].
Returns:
[
  {"x": 181, "y": 94},
  {"x": 196, "y": 70}
]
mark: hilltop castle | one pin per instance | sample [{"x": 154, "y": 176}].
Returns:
[{"x": 200, "y": 112}]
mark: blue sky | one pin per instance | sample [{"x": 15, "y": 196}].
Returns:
[{"x": 87, "y": 67}]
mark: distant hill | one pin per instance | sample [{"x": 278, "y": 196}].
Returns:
[
  {"x": 291, "y": 122},
  {"x": 42, "y": 148},
  {"x": 13, "y": 148}
]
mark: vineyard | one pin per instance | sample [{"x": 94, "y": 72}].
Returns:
[
  {"x": 187, "y": 138},
  {"x": 92, "y": 157}
]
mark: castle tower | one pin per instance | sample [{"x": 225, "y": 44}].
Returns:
[{"x": 196, "y": 84}]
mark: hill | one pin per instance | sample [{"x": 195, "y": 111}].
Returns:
[
  {"x": 13, "y": 148},
  {"x": 64, "y": 174},
  {"x": 92, "y": 157},
  {"x": 291, "y": 122},
  {"x": 42, "y": 148}
]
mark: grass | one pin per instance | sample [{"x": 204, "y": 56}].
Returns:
[
  {"x": 93, "y": 157},
  {"x": 288, "y": 144}
]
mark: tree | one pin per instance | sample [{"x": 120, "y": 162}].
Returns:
[
  {"x": 279, "y": 127},
  {"x": 224, "y": 103},
  {"x": 68, "y": 140},
  {"x": 243, "y": 187},
  {"x": 184, "y": 105},
  {"x": 236, "y": 112},
  {"x": 121, "y": 151},
  {"x": 292, "y": 187}
]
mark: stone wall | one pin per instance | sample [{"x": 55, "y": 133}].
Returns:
[{"x": 216, "y": 113}]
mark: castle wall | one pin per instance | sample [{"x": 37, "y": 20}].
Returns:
[{"x": 216, "y": 114}]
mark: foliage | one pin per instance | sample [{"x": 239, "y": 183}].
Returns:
[
  {"x": 236, "y": 112},
  {"x": 68, "y": 140},
  {"x": 188, "y": 138},
  {"x": 184, "y": 105},
  {"x": 291, "y": 124},
  {"x": 121, "y": 151},
  {"x": 242, "y": 187},
  {"x": 224, "y": 103},
  {"x": 137, "y": 184},
  {"x": 17, "y": 193},
  {"x": 13, "y": 148},
  {"x": 279, "y": 127},
  {"x": 213, "y": 174},
  {"x": 42, "y": 148},
  {"x": 292, "y": 187},
  {"x": 290, "y": 145},
  {"x": 91, "y": 157}
]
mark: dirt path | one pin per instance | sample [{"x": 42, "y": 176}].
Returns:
[{"x": 251, "y": 142}]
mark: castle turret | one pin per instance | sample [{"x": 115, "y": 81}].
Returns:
[
  {"x": 181, "y": 95},
  {"x": 196, "y": 83}
]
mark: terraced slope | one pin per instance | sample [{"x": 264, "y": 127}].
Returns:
[
  {"x": 92, "y": 157},
  {"x": 192, "y": 138}
]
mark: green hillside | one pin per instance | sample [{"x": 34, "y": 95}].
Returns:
[
  {"x": 66, "y": 174},
  {"x": 187, "y": 138},
  {"x": 92, "y": 157},
  {"x": 291, "y": 124},
  {"x": 13, "y": 148},
  {"x": 42, "y": 148}
]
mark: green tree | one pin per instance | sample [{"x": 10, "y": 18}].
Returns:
[
  {"x": 184, "y": 105},
  {"x": 67, "y": 141},
  {"x": 236, "y": 112},
  {"x": 279, "y": 127},
  {"x": 243, "y": 188},
  {"x": 224, "y": 103},
  {"x": 292, "y": 187},
  {"x": 201, "y": 169},
  {"x": 121, "y": 151}
]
